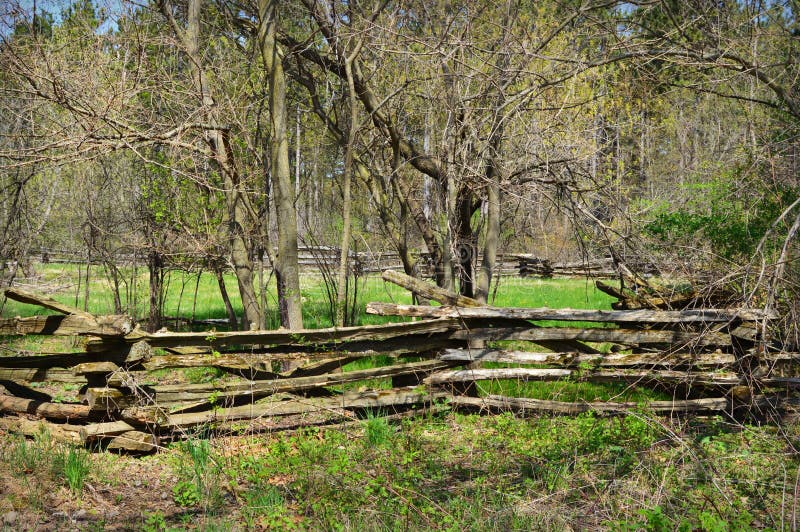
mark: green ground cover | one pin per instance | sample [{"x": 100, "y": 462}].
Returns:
[
  {"x": 448, "y": 472},
  {"x": 185, "y": 297}
]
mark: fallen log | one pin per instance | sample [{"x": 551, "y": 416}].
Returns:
[
  {"x": 58, "y": 360},
  {"x": 470, "y": 375},
  {"x": 59, "y": 432},
  {"x": 535, "y": 406},
  {"x": 133, "y": 441},
  {"x": 319, "y": 367},
  {"x": 144, "y": 415},
  {"x": 613, "y": 291},
  {"x": 40, "y": 375},
  {"x": 174, "y": 393},
  {"x": 241, "y": 363},
  {"x": 429, "y": 291},
  {"x": 566, "y": 314},
  {"x": 94, "y": 431},
  {"x": 30, "y": 298},
  {"x": 223, "y": 361},
  {"x": 334, "y": 335},
  {"x": 447, "y": 297},
  {"x": 17, "y": 405},
  {"x": 95, "y": 368},
  {"x": 628, "y": 376},
  {"x": 630, "y": 300},
  {"x": 597, "y": 334},
  {"x": 69, "y": 325},
  {"x": 138, "y": 353},
  {"x": 109, "y": 399},
  {"x": 398, "y": 345},
  {"x": 579, "y": 359},
  {"x": 689, "y": 378},
  {"x": 334, "y": 405},
  {"x": 316, "y": 419}
]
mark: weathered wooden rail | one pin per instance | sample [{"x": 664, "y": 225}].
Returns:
[{"x": 714, "y": 360}]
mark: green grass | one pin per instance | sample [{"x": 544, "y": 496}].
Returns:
[
  {"x": 73, "y": 464},
  {"x": 450, "y": 472},
  {"x": 187, "y": 298},
  {"x": 468, "y": 472},
  {"x": 570, "y": 391},
  {"x": 553, "y": 293}
]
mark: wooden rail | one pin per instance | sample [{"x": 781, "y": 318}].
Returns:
[{"x": 715, "y": 353}]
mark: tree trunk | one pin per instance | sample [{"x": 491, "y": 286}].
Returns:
[
  {"x": 86, "y": 285},
  {"x": 226, "y": 299},
  {"x": 492, "y": 225},
  {"x": 113, "y": 273},
  {"x": 155, "y": 265},
  {"x": 466, "y": 246},
  {"x": 240, "y": 251},
  {"x": 341, "y": 285},
  {"x": 287, "y": 272}
]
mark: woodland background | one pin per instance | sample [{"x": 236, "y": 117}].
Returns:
[{"x": 220, "y": 135}]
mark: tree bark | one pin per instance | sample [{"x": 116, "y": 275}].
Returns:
[
  {"x": 341, "y": 284},
  {"x": 492, "y": 213},
  {"x": 225, "y": 298},
  {"x": 491, "y": 241},
  {"x": 466, "y": 245},
  {"x": 287, "y": 272},
  {"x": 155, "y": 266}
]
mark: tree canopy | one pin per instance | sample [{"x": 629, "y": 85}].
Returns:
[{"x": 222, "y": 135}]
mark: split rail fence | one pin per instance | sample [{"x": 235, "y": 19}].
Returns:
[
  {"x": 708, "y": 360},
  {"x": 315, "y": 258}
]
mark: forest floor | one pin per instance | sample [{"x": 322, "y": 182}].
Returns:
[
  {"x": 450, "y": 472},
  {"x": 444, "y": 470}
]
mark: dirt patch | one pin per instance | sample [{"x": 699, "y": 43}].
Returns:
[{"x": 120, "y": 493}]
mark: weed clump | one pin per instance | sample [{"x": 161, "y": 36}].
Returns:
[{"x": 377, "y": 430}]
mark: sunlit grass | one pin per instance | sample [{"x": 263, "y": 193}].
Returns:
[
  {"x": 192, "y": 296},
  {"x": 569, "y": 391},
  {"x": 552, "y": 293}
]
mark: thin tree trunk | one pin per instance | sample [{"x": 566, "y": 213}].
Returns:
[
  {"x": 466, "y": 246},
  {"x": 226, "y": 299},
  {"x": 341, "y": 291},
  {"x": 86, "y": 285},
  {"x": 287, "y": 272},
  {"x": 445, "y": 267},
  {"x": 113, "y": 272},
  {"x": 297, "y": 156},
  {"x": 196, "y": 290},
  {"x": 77, "y": 289},
  {"x": 492, "y": 216},
  {"x": 492, "y": 237},
  {"x": 240, "y": 256},
  {"x": 155, "y": 266}
]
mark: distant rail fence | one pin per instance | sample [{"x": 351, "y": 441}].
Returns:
[
  {"x": 315, "y": 258},
  {"x": 709, "y": 360}
]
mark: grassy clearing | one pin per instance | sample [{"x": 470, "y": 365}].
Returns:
[{"x": 188, "y": 295}]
